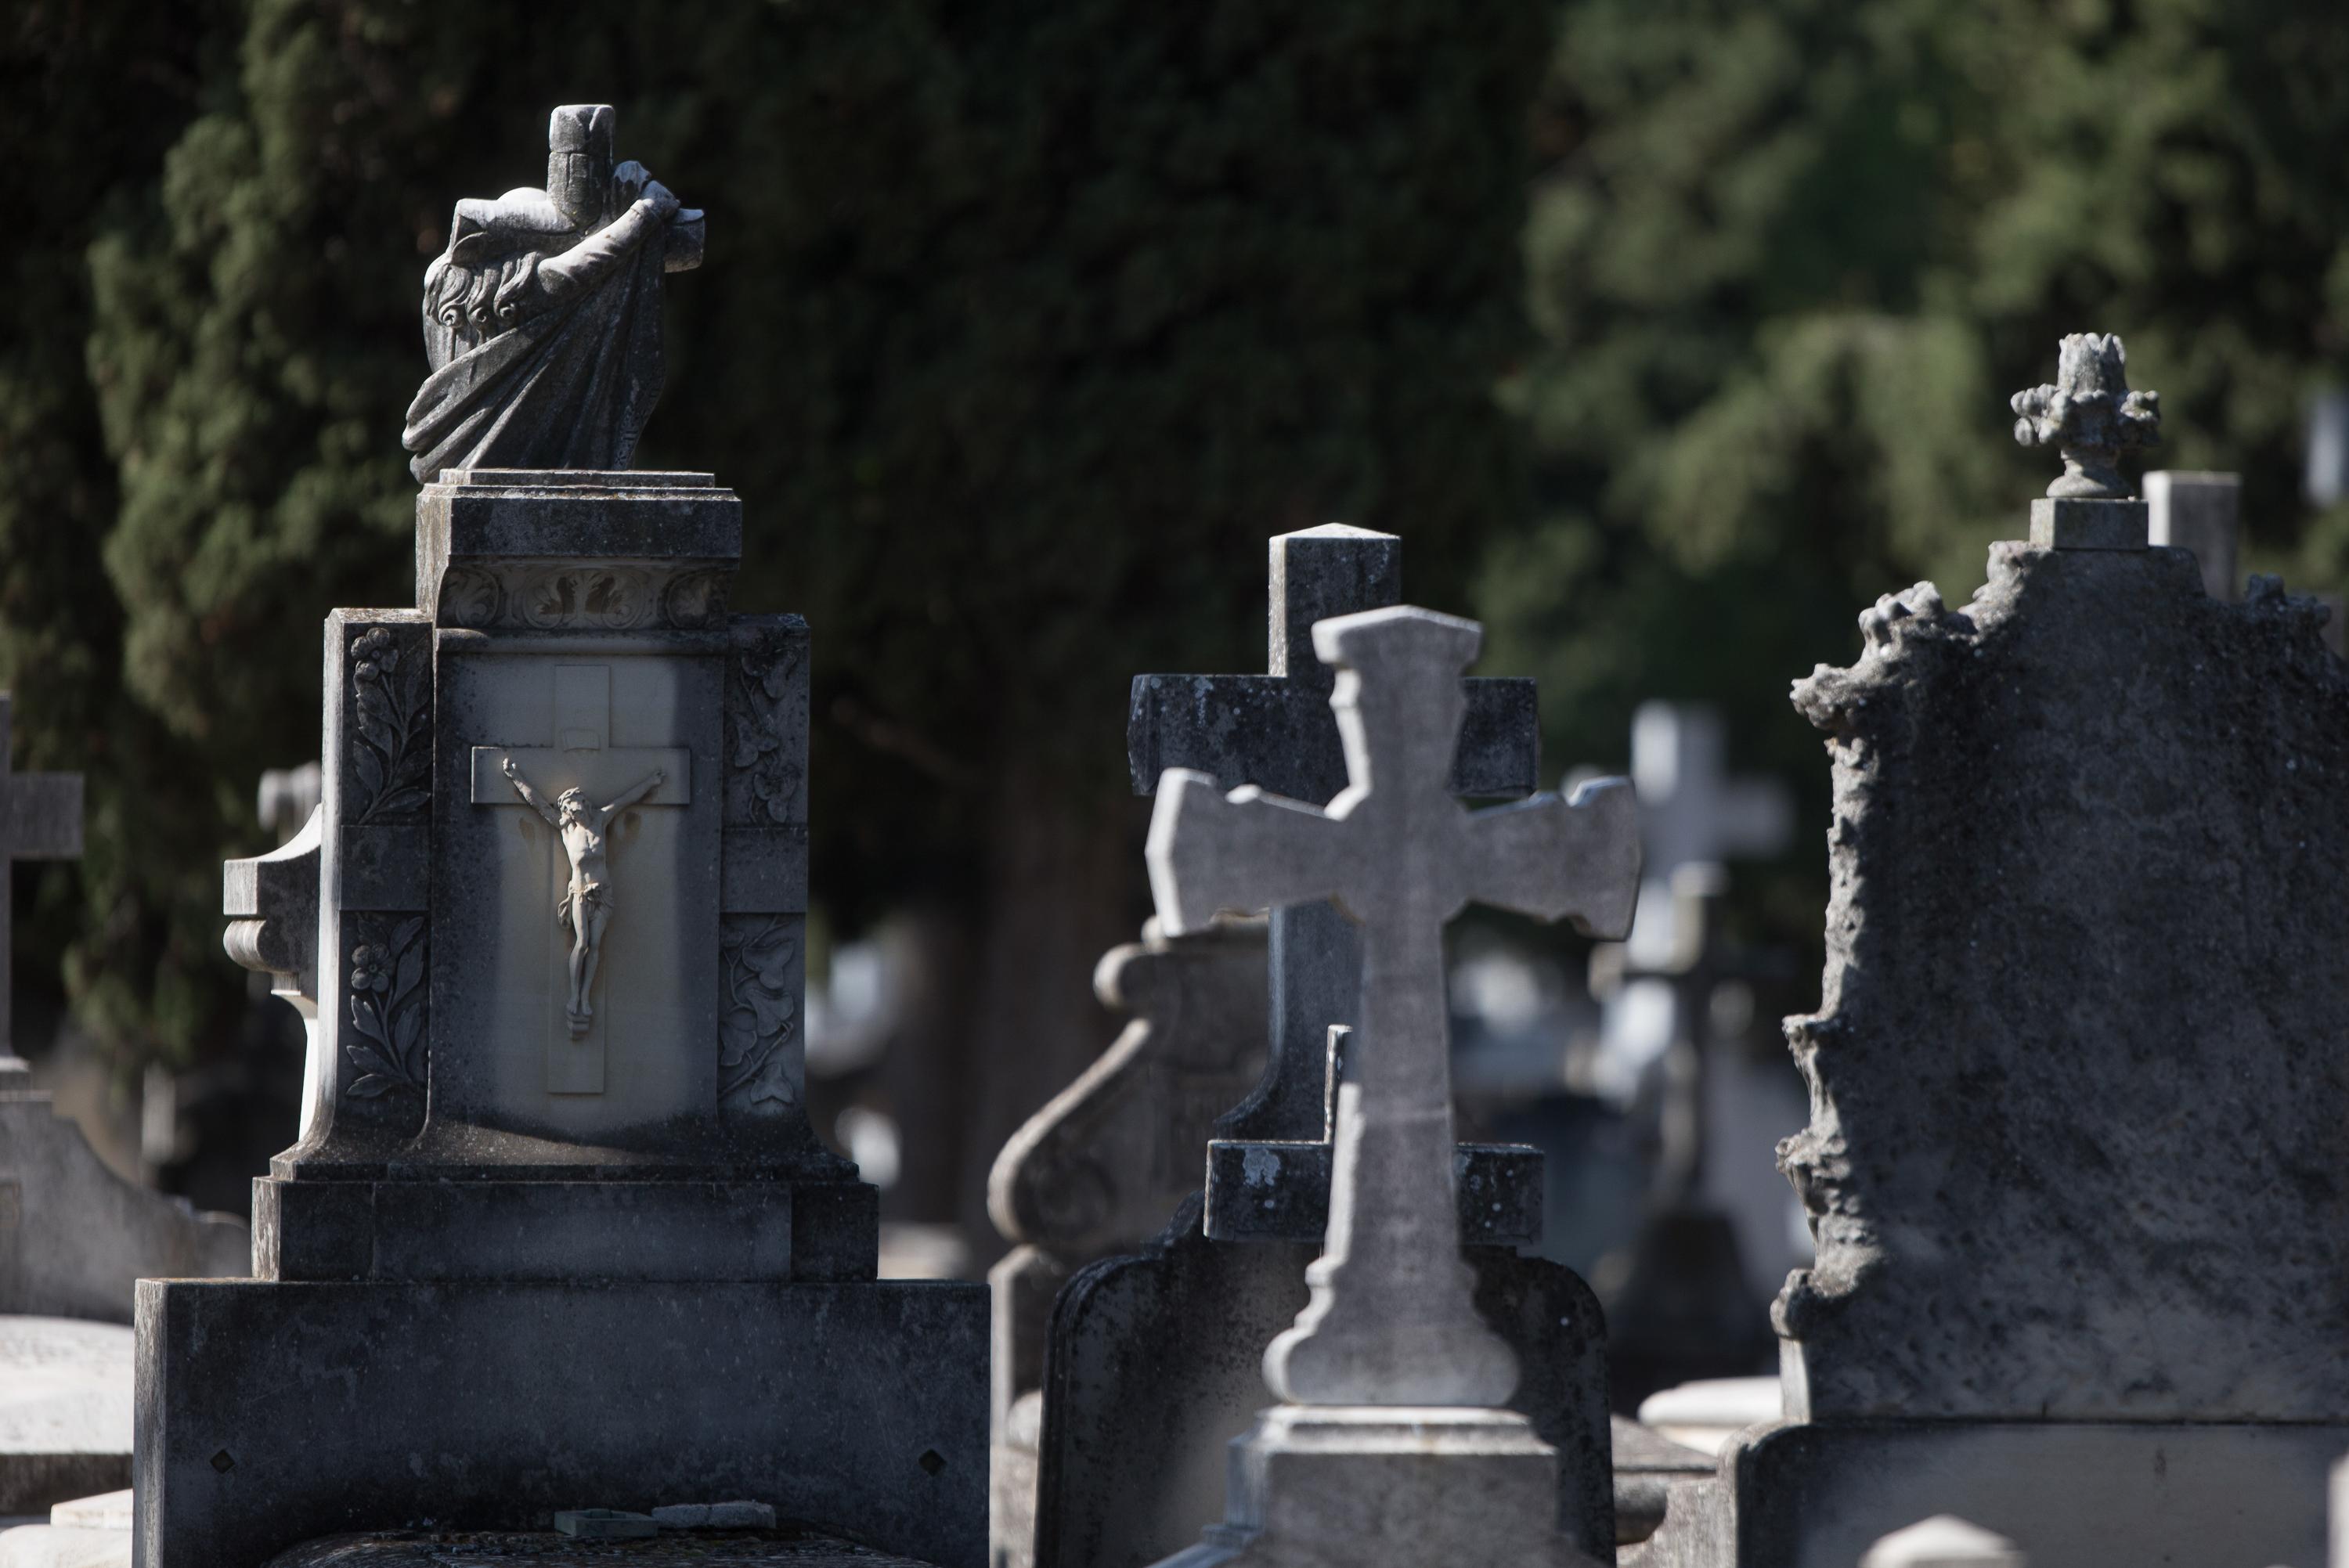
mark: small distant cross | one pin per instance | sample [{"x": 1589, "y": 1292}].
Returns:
[
  {"x": 1693, "y": 812},
  {"x": 1274, "y": 730},
  {"x": 40, "y": 820},
  {"x": 1391, "y": 1320}
]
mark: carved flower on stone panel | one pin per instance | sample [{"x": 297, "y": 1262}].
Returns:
[
  {"x": 391, "y": 751},
  {"x": 758, "y": 746},
  {"x": 469, "y": 597},
  {"x": 385, "y": 1041},
  {"x": 758, "y": 1009}
]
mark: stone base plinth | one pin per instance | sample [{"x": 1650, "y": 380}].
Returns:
[
  {"x": 461, "y": 1227},
  {"x": 2065, "y": 522},
  {"x": 2071, "y": 1495},
  {"x": 1402, "y": 1487},
  {"x": 273, "y": 1413}
]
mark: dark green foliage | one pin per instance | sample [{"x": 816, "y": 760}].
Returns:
[
  {"x": 1791, "y": 259},
  {"x": 1022, "y": 327}
]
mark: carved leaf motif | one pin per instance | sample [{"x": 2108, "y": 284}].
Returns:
[
  {"x": 386, "y": 1042},
  {"x": 759, "y": 1011},
  {"x": 392, "y": 758}
]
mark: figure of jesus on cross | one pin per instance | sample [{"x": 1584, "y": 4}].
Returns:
[{"x": 586, "y": 907}]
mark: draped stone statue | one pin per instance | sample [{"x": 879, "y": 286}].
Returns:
[{"x": 542, "y": 319}]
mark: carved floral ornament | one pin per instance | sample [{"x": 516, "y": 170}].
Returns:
[
  {"x": 385, "y": 1041},
  {"x": 392, "y": 755},
  {"x": 759, "y": 727},
  {"x": 758, "y": 1010},
  {"x": 552, "y": 596},
  {"x": 2090, "y": 414}
]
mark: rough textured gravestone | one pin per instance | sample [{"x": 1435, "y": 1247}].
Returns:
[
  {"x": 1097, "y": 1171},
  {"x": 2073, "y": 1165},
  {"x": 1152, "y": 1357},
  {"x": 556, "y": 1230},
  {"x": 1392, "y": 1445}
]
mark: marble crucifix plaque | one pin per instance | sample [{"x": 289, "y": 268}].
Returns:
[{"x": 587, "y": 797}]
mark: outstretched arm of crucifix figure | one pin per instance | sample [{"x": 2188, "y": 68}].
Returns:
[
  {"x": 636, "y": 792},
  {"x": 530, "y": 796}
]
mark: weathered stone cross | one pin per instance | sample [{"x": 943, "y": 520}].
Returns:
[
  {"x": 581, "y": 758},
  {"x": 1273, "y": 730},
  {"x": 1391, "y": 1320},
  {"x": 40, "y": 820}
]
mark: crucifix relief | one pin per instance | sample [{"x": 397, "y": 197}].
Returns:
[
  {"x": 582, "y": 787},
  {"x": 586, "y": 907},
  {"x": 1391, "y": 1320}
]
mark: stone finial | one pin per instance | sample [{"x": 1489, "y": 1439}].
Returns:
[{"x": 2091, "y": 415}]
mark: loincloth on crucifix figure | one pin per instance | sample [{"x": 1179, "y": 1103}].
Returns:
[{"x": 586, "y": 907}]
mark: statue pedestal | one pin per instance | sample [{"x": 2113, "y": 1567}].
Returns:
[{"x": 556, "y": 1206}]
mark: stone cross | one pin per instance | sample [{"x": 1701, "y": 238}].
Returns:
[
  {"x": 1274, "y": 730},
  {"x": 580, "y": 758},
  {"x": 1391, "y": 1320},
  {"x": 40, "y": 820}
]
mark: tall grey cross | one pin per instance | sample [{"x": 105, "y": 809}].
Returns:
[
  {"x": 1391, "y": 1319},
  {"x": 40, "y": 820},
  {"x": 1274, "y": 730}
]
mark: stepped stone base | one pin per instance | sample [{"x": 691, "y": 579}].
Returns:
[
  {"x": 275, "y": 1413},
  {"x": 1318, "y": 1487},
  {"x": 2070, "y": 1494}
]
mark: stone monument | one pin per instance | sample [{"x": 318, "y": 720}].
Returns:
[
  {"x": 557, "y": 1233},
  {"x": 1151, "y": 1360},
  {"x": 1392, "y": 1444},
  {"x": 1099, "y": 1169},
  {"x": 2076, "y": 1102}
]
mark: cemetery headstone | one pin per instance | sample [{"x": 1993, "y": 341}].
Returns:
[
  {"x": 1392, "y": 1444},
  {"x": 1100, "y": 1169},
  {"x": 1681, "y": 1305},
  {"x": 1686, "y": 1306},
  {"x": 556, "y": 1232},
  {"x": 1151, "y": 1359},
  {"x": 2075, "y": 1087}
]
